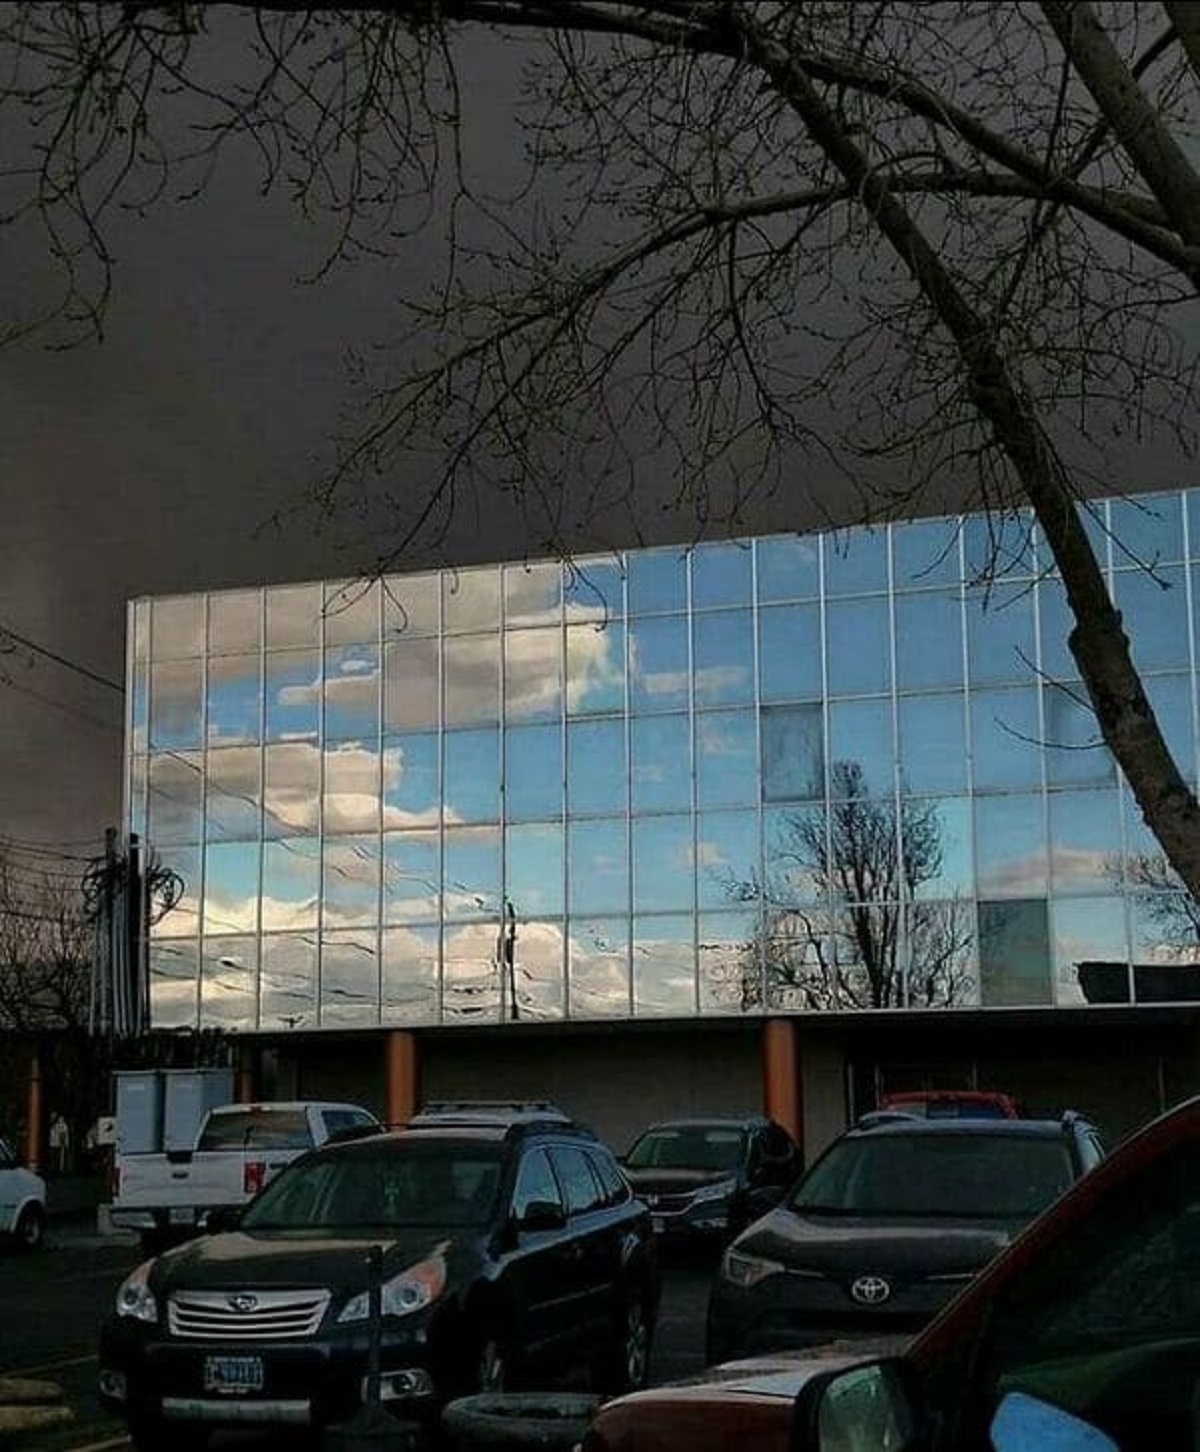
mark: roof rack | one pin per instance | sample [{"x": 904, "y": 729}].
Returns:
[{"x": 490, "y": 1111}]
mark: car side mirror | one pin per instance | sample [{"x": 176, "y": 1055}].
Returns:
[
  {"x": 223, "y": 1219},
  {"x": 871, "y": 1405},
  {"x": 542, "y": 1215},
  {"x": 1022, "y": 1421}
]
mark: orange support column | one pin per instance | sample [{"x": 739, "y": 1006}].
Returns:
[
  {"x": 246, "y": 1080},
  {"x": 781, "y": 1076},
  {"x": 400, "y": 1076},
  {"x": 33, "y": 1115}
]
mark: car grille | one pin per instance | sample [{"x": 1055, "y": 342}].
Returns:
[
  {"x": 669, "y": 1204},
  {"x": 245, "y": 1315}
]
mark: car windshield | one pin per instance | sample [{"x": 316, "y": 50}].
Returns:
[
  {"x": 430, "y": 1186},
  {"x": 1003, "y": 1176},
  {"x": 688, "y": 1147},
  {"x": 252, "y": 1128}
]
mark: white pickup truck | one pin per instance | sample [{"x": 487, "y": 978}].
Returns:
[{"x": 239, "y": 1147}]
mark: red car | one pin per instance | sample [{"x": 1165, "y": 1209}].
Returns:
[
  {"x": 953, "y": 1103},
  {"x": 1083, "y": 1336}
]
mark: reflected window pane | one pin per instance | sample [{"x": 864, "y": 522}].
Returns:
[
  {"x": 722, "y": 574},
  {"x": 1154, "y": 616},
  {"x": 798, "y": 967},
  {"x": 594, "y": 589},
  {"x": 536, "y": 987},
  {"x": 657, "y": 581},
  {"x": 658, "y": 664},
  {"x": 1005, "y": 737},
  {"x": 941, "y": 969},
  {"x": 793, "y": 752},
  {"x": 291, "y": 883},
  {"x": 182, "y": 920},
  {"x": 351, "y": 612},
  {"x": 928, "y": 641},
  {"x": 925, "y": 553},
  {"x": 856, "y": 561},
  {"x": 858, "y": 647},
  {"x": 176, "y": 782},
  {"x": 1171, "y": 698},
  {"x": 664, "y": 966},
  {"x": 599, "y": 866},
  {"x": 595, "y": 668},
  {"x": 533, "y": 594},
  {"x": 293, "y": 692},
  {"x": 292, "y": 791},
  {"x": 1165, "y": 932},
  {"x": 724, "y": 658},
  {"x": 789, "y": 659},
  {"x": 472, "y": 680},
  {"x": 229, "y": 983},
  {"x": 233, "y": 799},
  {"x": 235, "y": 623},
  {"x": 661, "y": 772},
  {"x": 352, "y": 692},
  {"x": 293, "y": 616},
  {"x": 533, "y": 772},
  {"x": 174, "y": 985},
  {"x": 788, "y": 567},
  {"x": 231, "y": 887},
  {"x": 729, "y": 963},
  {"x": 662, "y": 864},
  {"x": 350, "y": 880},
  {"x": 1075, "y": 752},
  {"x": 1000, "y": 638},
  {"x": 1146, "y": 530},
  {"x": 933, "y": 747},
  {"x": 470, "y": 600},
  {"x": 728, "y": 859},
  {"x": 472, "y": 776},
  {"x": 998, "y": 544},
  {"x": 596, "y": 780},
  {"x": 141, "y": 631},
  {"x": 936, "y": 838},
  {"x": 139, "y": 707},
  {"x": 137, "y": 795},
  {"x": 598, "y": 968},
  {"x": 411, "y": 606},
  {"x": 1014, "y": 953},
  {"x": 1085, "y": 841},
  {"x": 1056, "y": 624},
  {"x": 861, "y": 749},
  {"x": 410, "y": 683},
  {"x": 411, "y": 969},
  {"x": 175, "y": 703},
  {"x": 349, "y": 978},
  {"x": 533, "y": 670},
  {"x": 289, "y": 981},
  {"x": 1091, "y": 952},
  {"x": 412, "y": 781},
  {"x": 535, "y": 869},
  {"x": 1010, "y": 846},
  {"x": 471, "y": 978},
  {"x": 177, "y": 627},
  {"x": 234, "y": 699},
  {"x": 797, "y": 849},
  {"x": 412, "y": 872},
  {"x": 471, "y": 873},
  {"x": 726, "y": 758},
  {"x": 351, "y": 788}
]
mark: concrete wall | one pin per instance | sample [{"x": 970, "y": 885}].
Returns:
[{"x": 823, "y": 1093}]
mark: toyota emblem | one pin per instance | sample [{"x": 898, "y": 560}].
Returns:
[
  {"x": 870, "y": 1290},
  {"x": 243, "y": 1302}
]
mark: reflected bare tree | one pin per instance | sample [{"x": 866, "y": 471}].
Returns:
[{"x": 1162, "y": 900}]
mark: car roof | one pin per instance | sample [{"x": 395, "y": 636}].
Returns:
[
  {"x": 708, "y": 1121},
  {"x": 990, "y": 1128},
  {"x": 481, "y": 1132}
]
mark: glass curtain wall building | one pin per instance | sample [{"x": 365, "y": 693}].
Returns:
[{"x": 787, "y": 774}]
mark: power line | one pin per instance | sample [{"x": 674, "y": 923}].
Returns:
[
  {"x": 62, "y": 706},
  {"x": 61, "y": 660}
]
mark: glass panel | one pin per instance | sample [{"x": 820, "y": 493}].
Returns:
[
  {"x": 533, "y": 669},
  {"x": 797, "y": 848},
  {"x": 235, "y": 623},
  {"x": 861, "y": 751},
  {"x": 411, "y": 605},
  {"x": 412, "y": 874},
  {"x": 177, "y": 627},
  {"x": 925, "y": 553},
  {"x": 536, "y": 983},
  {"x": 1085, "y": 841},
  {"x": 293, "y": 694},
  {"x": 138, "y": 766},
  {"x": 598, "y": 968},
  {"x": 293, "y": 786},
  {"x": 472, "y": 872},
  {"x": 595, "y": 668},
  {"x": 411, "y": 968},
  {"x": 410, "y": 683},
  {"x": 291, "y": 883},
  {"x": 998, "y": 544},
  {"x": 141, "y": 631},
  {"x": 233, "y": 802},
  {"x": 175, "y": 787},
  {"x": 856, "y": 561},
  {"x": 661, "y": 772},
  {"x": 139, "y": 709},
  {"x": 1091, "y": 954},
  {"x": 534, "y": 870},
  {"x": 664, "y": 966},
  {"x": 183, "y": 920},
  {"x": 351, "y": 788},
  {"x": 724, "y": 658},
  {"x": 1075, "y": 752},
  {"x": 349, "y": 978},
  {"x": 1005, "y": 737},
  {"x": 533, "y": 772},
  {"x": 1146, "y": 867},
  {"x": 658, "y": 664},
  {"x": 596, "y": 778},
  {"x": 726, "y": 758},
  {"x": 533, "y": 594},
  {"x": 174, "y": 985},
  {"x": 231, "y": 887},
  {"x": 657, "y": 581},
  {"x": 471, "y": 977},
  {"x": 352, "y": 693},
  {"x": 293, "y": 616},
  {"x": 1171, "y": 698},
  {"x": 1057, "y": 622},
  {"x": 728, "y": 858},
  {"x": 350, "y": 880},
  {"x": 599, "y": 866},
  {"x": 729, "y": 963},
  {"x": 412, "y": 781},
  {"x": 234, "y": 699},
  {"x": 229, "y": 983},
  {"x": 352, "y": 612},
  {"x": 175, "y": 703},
  {"x": 798, "y": 967},
  {"x": 1165, "y": 929},
  {"x": 722, "y": 574},
  {"x": 1146, "y": 530},
  {"x": 866, "y": 948},
  {"x": 1155, "y": 617},
  {"x": 1000, "y": 636},
  {"x": 662, "y": 864},
  {"x": 928, "y": 641},
  {"x": 864, "y": 861},
  {"x": 1014, "y": 953},
  {"x": 470, "y": 600},
  {"x": 793, "y": 752},
  {"x": 858, "y": 648},
  {"x": 1010, "y": 846},
  {"x": 933, "y": 747},
  {"x": 472, "y": 776},
  {"x": 788, "y": 567},
  {"x": 472, "y": 680},
  {"x": 789, "y": 659},
  {"x": 594, "y": 590},
  {"x": 289, "y": 981},
  {"x": 938, "y": 955},
  {"x": 936, "y": 837}
]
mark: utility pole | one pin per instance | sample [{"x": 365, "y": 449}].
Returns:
[{"x": 508, "y": 936}]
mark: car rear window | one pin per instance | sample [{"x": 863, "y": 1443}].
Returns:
[
  {"x": 256, "y": 1129},
  {"x": 688, "y": 1147}
]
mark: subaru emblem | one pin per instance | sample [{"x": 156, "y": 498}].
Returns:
[
  {"x": 243, "y": 1302},
  {"x": 870, "y": 1290}
]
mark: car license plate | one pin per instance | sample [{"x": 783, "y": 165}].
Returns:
[
  {"x": 233, "y": 1375},
  {"x": 181, "y": 1215},
  {"x": 656, "y": 1224}
]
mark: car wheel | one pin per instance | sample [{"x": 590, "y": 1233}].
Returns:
[
  {"x": 31, "y": 1228},
  {"x": 625, "y": 1365},
  {"x": 519, "y": 1421}
]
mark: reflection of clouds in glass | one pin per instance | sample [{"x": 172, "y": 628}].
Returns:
[
  {"x": 290, "y": 800},
  {"x": 352, "y": 788},
  {"x": 231, "y": 887},
  {"x": 175, "y": 703},
  {"x": 351, "y": 611},
  {"x": 289, "y": 981},
  {"x": 598, "y": 968},
  {"x": 174, "y": 984},
  {"x": 349, "y": 978},
  {"x": 533, "y": 674},
  {"x": 411, "y": 959},
  {"x": 1089, "y": 931},
  {"x": 291, "y": 883},
  {"x": 532, "y": 594},
  {"x": 471, "y": 977},
  {"x": 595, "y": 667},
  {"x": 229, "y": 983},
  {"x": 293, "y": 615},
  {"x": 664, "y": 966}
]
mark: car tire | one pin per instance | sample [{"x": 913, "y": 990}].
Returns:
[
  {"x": 30, "y": 1232},
  {"x": 530, "y": 1421},
  {"x": 624, "y": 1365}
]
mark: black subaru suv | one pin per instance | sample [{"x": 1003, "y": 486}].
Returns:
[{"x": 505, "y": 1247}]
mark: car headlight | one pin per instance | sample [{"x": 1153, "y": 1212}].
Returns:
[
  {"x": 135, "y": 1298},
  {"x": 412, "y": 1289},
  {"x": 722, "y": 1190},
  {"x": 745, "y": 1270}
]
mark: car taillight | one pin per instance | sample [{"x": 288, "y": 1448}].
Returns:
[
  {"x": 252, "y": 1177},
  {"x": 114, "y": 1186}
]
